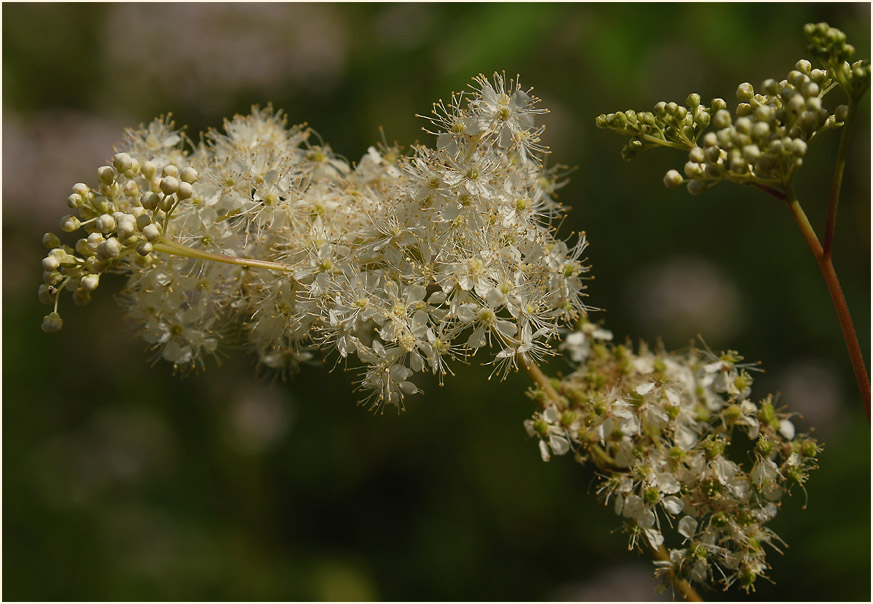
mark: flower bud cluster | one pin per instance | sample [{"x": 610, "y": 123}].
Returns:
[
  {"x": 661, "y": 430},
  {"x": 668, "y": 124},
  {"x": 828, "y": 45},
  {"x": 401, "y": 262},
  {"x": 117, "y": 220},
  {"x": 767, "y": 136}
]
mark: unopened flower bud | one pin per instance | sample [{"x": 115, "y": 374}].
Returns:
[
  {"x": 185, "y": 190},
  {"x": 50, "y": 263},
  {"x": 722, "y": 119},
  {"x": 696, "y": 186},
  {"x": 149, "y": 200},
  {"x": 169, "y": 184},
  {"x": 144, "y": 248},
  {"x": 841, "y": 113},
  {"x": 170, "y": 170},
  {"x": 52, "y": 323},
  {"x": 693, "y": 100},
  {"x": 151, "y": 232},
  {"x": 672, "y": 179},
  {"x": 70, "y": 223},
  {"x": 745, "y": 92},
  {"x": 46, "y": 293},
  {"x": 126, "y": 228},
  {"x": 105, "y": 223},
  {"x": 106, "y": 175},
  {"x": 189, "y": 175},
  {"x": 751, "y": 153},
  {"x": 122, "y": 162},
  {"x": 148, "y": 169},
  {"x": 111, "y": 248},
  {"x": 90, "y": 282},
  {"x": 693, "y": 169},
  {"x": 50, "y": 240},
  {"x": 74, "y": 201}
]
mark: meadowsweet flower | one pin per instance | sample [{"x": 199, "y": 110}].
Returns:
[
  {"x": 658, "y": 426},
  {"x": 399, "y": 263}
]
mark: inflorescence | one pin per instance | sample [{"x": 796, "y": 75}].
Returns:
[
  {"x": 766, "y": 138},
  {"x": 664, "y": 431},
  {"x": 405, "y": 262}
]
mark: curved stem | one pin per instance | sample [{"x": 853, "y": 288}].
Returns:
[
  {"x": 177, "y": 249},
  {"x": 540, "y": 379},
  {"x": 681, "y": 585},
  {"x": 836, "y": 291},
  {"x": 838, "y": 179}
]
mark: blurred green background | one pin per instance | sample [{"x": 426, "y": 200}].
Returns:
[{"x": 124, "y": 482}]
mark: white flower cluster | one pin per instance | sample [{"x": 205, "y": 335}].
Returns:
[
  {"x": 660, "y": 429},
  {"x": 402, "y": 261}
]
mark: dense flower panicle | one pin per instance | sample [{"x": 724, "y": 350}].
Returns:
[
  {"x": 659, "y": 428},
  {"x": 765, "y": 139},
  {"x": 401, "y": 262}
]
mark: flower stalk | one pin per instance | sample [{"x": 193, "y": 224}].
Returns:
[{"x": 837, "y": 297}]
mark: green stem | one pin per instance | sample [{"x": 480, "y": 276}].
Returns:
[
  {"x": 836, "y": 291},
  {"x": 664, "y": 143},
  {"x": 839, "y": 168},
  {"x": 177, "y": 249}
]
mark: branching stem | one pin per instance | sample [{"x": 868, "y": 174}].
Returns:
[
  {"x": 836, "y": 291},
  {"x": 838, "y": 179},
  {"x": 177, "y": 249}
]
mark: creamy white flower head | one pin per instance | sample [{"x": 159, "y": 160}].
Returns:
[{"x": 399, "y": 263}]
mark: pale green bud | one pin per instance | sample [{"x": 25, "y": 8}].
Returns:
[
  {"x": 745, "y": 92},
  {"x": 50, "y": 240}
]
